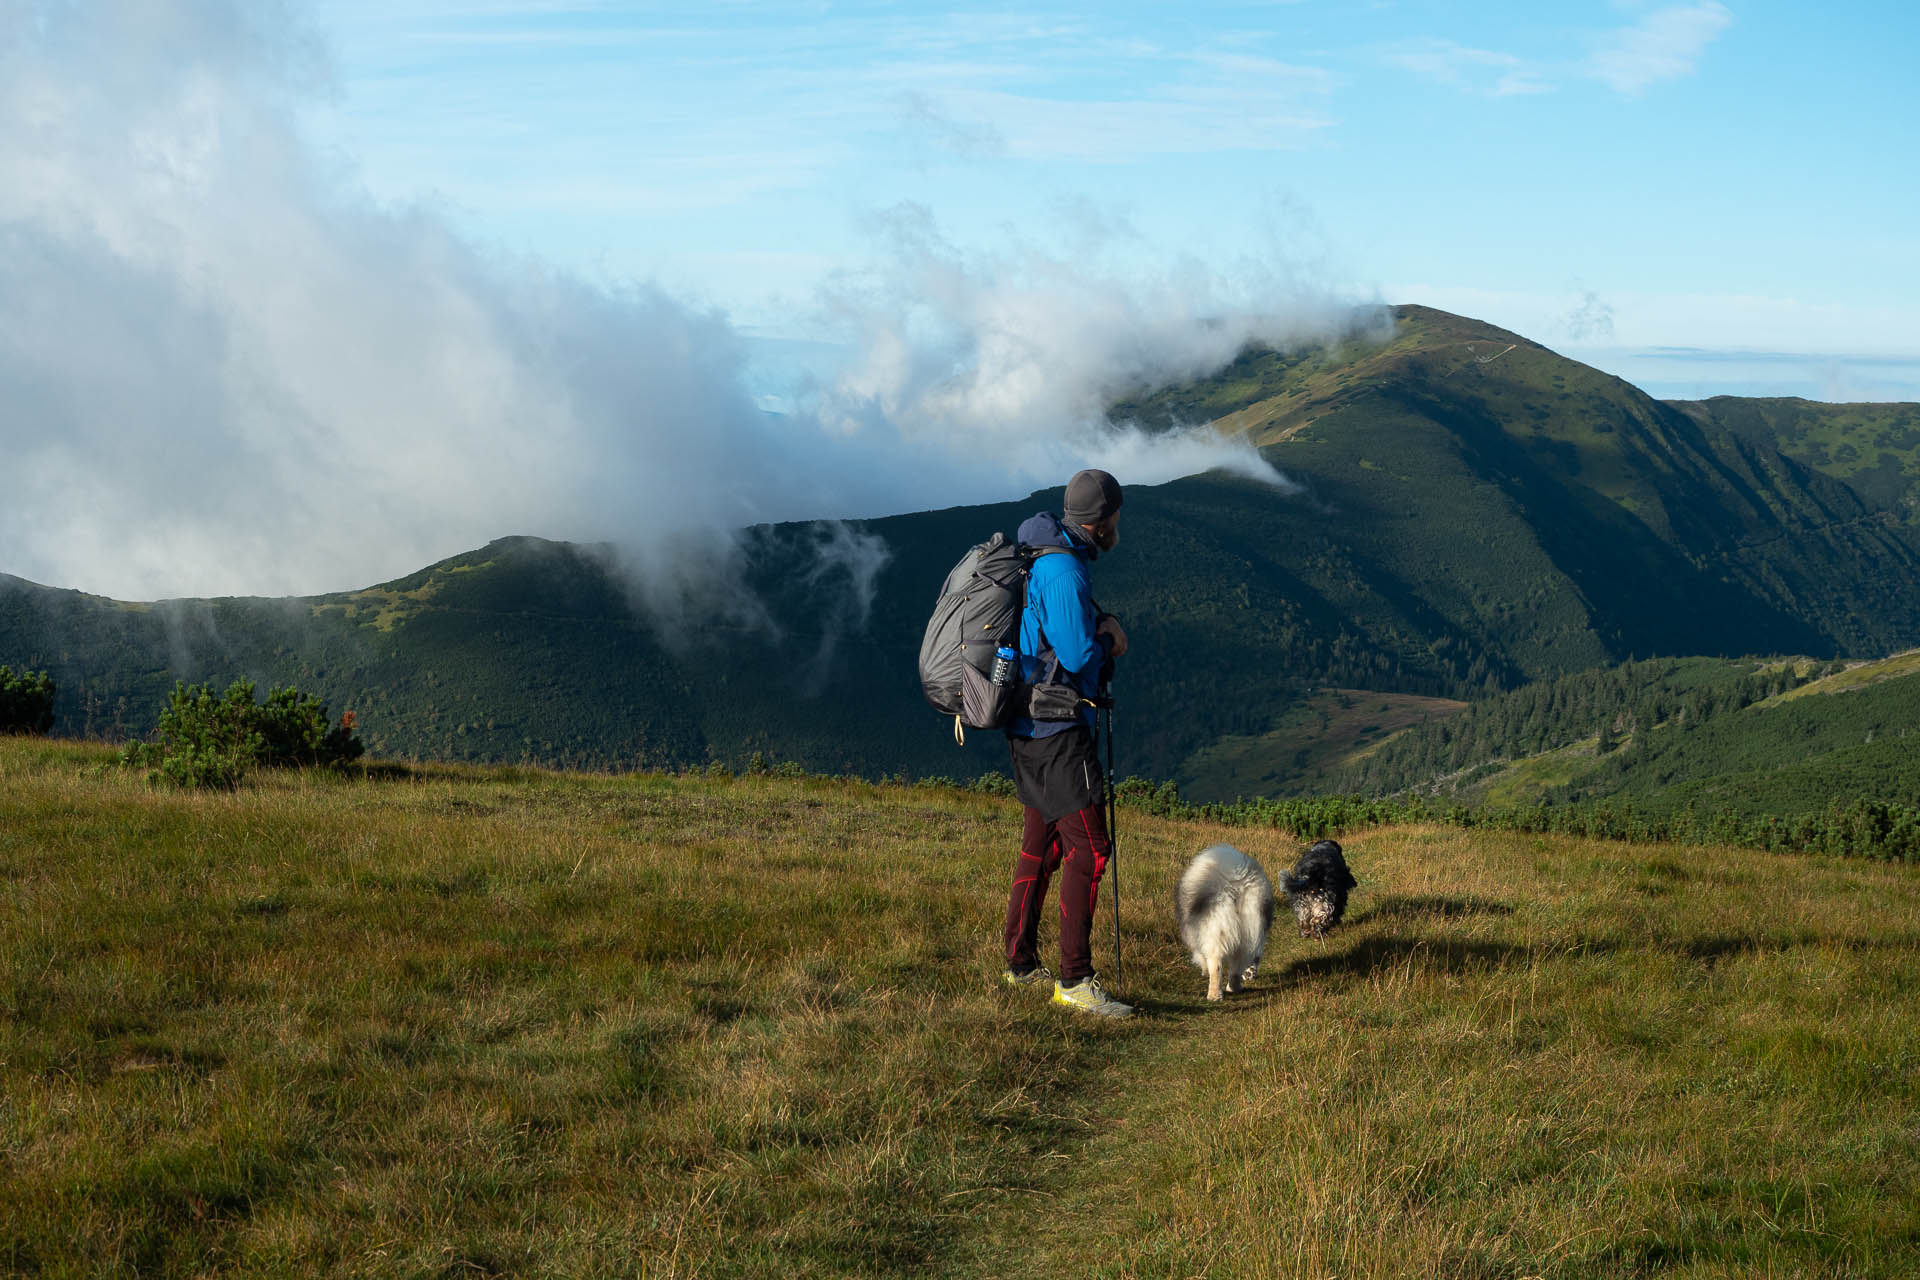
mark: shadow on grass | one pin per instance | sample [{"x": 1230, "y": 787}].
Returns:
[
  {"x": 1431, "y": 907},
  {"x": 1372, "y": 955},
  {"x": 1712, "y": 949},
  {"x": 381, "y": 771},
  {"x": 1173, "y": 1008}
]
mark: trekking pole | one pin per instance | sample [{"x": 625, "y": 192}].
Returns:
[{"x": 1113, "y": 847}]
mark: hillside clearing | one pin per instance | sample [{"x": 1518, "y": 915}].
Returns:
[
  {"x": 1856, "y": 676},
  {"x": 1327, "y": 729},
  {"x": 511, "y": 1022}
]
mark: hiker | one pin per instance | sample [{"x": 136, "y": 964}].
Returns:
[{"x": 1067, "y": 649}]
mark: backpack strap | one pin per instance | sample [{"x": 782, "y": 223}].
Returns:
[{"x": 1051, "y": 672}]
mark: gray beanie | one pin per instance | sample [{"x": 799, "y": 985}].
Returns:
[{"x": 1092, "y": 496}]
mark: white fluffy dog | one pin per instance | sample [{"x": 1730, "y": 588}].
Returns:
[{"x": 1224, "y": 906}]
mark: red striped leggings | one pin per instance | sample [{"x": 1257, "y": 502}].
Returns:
[{"x": 1078, "y": 840}]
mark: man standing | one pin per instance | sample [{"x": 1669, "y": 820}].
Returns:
[{"x": 1067, "y": 648}]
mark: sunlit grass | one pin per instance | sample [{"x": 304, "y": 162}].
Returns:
[
  {"x": 1534, "y": 1056},
  {"x": 512, "y": 1022},
  {"x": 1854, "y": 678}
]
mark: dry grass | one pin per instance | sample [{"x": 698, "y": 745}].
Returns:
[
  {"x": 1531, "y": 1056},
  {"x": 513, "y": 1023}
]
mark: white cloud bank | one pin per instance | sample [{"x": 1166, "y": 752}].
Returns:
[{"x": 224, "y": 370}]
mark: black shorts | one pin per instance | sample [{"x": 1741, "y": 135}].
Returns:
[{"x": 1058, "y": 774}]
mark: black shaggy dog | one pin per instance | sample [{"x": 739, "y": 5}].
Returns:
[{"x": 1318, "y": 886}]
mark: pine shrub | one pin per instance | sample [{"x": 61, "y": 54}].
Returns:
[
  {"x": 209, "y": 741},
  {"x": 26, "y": 701}
]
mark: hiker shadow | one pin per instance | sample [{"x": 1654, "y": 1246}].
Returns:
[{"x": 1250, "y": 1000}]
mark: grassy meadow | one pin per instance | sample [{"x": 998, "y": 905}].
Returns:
[{"x": 460, "y": 1021}]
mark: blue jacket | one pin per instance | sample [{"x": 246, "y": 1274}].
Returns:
[{"x": 1059, "y": 620}]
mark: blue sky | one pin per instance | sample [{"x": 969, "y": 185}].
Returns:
[{"x": 1632, "y": 182}]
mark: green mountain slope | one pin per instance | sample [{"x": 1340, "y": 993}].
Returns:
[
  {"x": 1874, "y": 448},
  {"x": 1471, "y": 513},
  {"x": 1750, "y": 737},
  {"x": 1667, "y": 529},
  {"x": 1844, "y": 736}
]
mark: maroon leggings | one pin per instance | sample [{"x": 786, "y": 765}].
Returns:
[{"x": 1080, "y": 841}]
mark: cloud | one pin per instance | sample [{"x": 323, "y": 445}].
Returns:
[
  {"x": 224, "y": 369},
  {"x": 1664, "y": 45},
  {"x": 1590, "y": 320},
  {"x": 1015, "y": 353},
  {"x": 844, "y": 574},
  {"x": 1521, "y": 82},
  {"x": 1450, "y": 63},
  {"x": 1482, "y": 71},
  {"x": 1219, "y": 104},
  {"x": 928, "y": 125}
]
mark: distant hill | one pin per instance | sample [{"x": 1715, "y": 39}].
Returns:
[
  {"x": 1474, "y": 513},
  {"x": 1752, "y": 738}
]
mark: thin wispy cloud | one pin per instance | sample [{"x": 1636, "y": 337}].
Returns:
[
  {"x": 1124, "y": 100},
  {"x": 928, "y": 125},
  {"x": 1178, "y": 121},
  {"x": 1590, "y": 319},
  {"x": 1664, "y": 45},
  {"x": 1071, "y": 95},
  {"x": 1486, "y": 71},
  {"x": 962, "y": 85}
]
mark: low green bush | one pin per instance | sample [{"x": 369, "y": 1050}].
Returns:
[
  {"x": 26, "y": 701},
  {"x": 209, "y": 741}
]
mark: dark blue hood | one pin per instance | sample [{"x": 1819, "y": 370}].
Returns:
[{"x": 1043, "y": 529}]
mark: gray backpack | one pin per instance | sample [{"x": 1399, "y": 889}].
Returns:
[{"x": 977, "y": 614}]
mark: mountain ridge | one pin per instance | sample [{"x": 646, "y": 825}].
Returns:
[{"x": 1475, "y": 513}]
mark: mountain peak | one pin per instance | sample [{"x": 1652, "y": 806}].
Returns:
[{"x": 1430, "y": 326}]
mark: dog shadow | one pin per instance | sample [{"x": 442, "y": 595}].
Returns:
[
  {"x": 1372, "y": 955},
  {"x": 1430, "y": 907},
  {"x": 1364, "y": 957}
]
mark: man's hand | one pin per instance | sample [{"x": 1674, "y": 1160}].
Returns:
[{"x": 1110, "y": 626}]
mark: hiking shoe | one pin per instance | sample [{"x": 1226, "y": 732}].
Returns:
[
  {"x": 1032, "y": 977},
  {"x": 1088, "y": 996}
]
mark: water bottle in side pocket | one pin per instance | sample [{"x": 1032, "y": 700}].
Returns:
[{"x": 1006, "y": 666}]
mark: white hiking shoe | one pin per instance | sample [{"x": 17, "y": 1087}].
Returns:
[
  {"x": 1031, "y": 978},
  {"x": 1088, "y": 996}
]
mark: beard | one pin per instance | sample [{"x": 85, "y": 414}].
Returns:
[{"x": 1106, "y": 539}]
